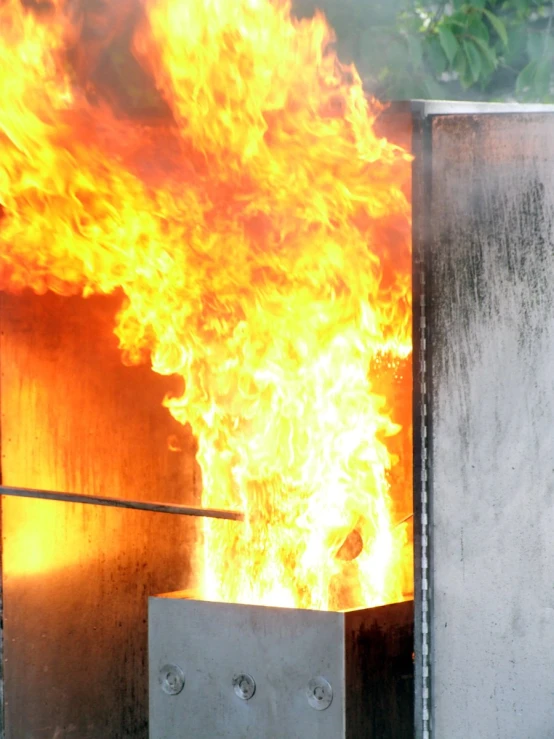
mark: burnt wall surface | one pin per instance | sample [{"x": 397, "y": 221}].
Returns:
[
  {"x": 76, "y": 578},
  {"x": 490, "y": 342}
]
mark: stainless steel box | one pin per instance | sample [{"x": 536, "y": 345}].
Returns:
[{"x": 223, "y": 670}]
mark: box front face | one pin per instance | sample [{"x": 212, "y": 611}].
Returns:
[{"x": 282, "y": 650}]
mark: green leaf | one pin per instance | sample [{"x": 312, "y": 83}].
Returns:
[
  {"x": 462, "y": 68},
  {"x": 477, "y": 28},
  {"x": 543, "y": 73},
  {"x": 460, "y": 18},
  {"x": 517, "y": 40},
  {"x": 480, "y": 4},
  {"x": 526, "y": 77},
  {"x": 437, "y": 57},
  {"x": 458, "y": 4},
  {"x": 460, "y": 63},
  {"x": 498, "y": 25},
  {"x": 486, "y": 51},
  {"x": 487, "y": 68},
  {"x": 535, "y": 45},
  {"x": 448, "y": 42},
  {"x": 473, "y": 59}
]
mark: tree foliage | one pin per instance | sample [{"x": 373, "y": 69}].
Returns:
[{"x": 483, "y": 49}]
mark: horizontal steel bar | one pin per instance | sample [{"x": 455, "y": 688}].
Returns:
[
  {"x": 138, "y": 505},
  {"x": 403, "y": 520}
]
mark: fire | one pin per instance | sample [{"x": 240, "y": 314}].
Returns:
[{"x": 266, "y": 262}]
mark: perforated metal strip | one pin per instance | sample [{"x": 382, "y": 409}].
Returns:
[{"x": 424, "y": 493}]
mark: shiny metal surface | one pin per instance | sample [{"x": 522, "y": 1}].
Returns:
[{"x": 354, "y": 669}]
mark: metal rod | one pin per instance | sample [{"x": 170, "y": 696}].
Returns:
[
  {"x": 403, "y": 520},
  {"x": 138, "y": 505}
]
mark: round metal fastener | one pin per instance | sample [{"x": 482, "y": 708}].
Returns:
[
  {"x": 172, "y": 679},
  {"x": 319, "y": 693},
  {"x": 244, "y": 686}
]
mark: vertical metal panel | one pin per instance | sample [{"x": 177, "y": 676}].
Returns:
[
  {"x": 421, "y": 178},
  {"x": 491, "y": 328},
  {"x": 282, "y": 649},
  {"x": 76, "y": 578},
  {"x": 380, "y": 672}
]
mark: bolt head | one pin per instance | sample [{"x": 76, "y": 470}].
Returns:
[
  {"x": 319, "y": 693},
  {"x": 244, "y": 686},
  {"x": 171, "y": 679}
]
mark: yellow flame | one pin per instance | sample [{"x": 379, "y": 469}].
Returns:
[{"x": 268, "y": 265}]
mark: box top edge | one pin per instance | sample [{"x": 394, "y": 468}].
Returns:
[
  {"x": 424, "y": 108},
  {"x": 193, "y": 597}
]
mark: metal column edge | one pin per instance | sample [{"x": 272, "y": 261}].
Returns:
[{"x": 421, "y": 188}]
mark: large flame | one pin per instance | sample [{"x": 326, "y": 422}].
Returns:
[{"x": 263, "y": 250}]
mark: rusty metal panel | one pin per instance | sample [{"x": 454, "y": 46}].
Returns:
[
  {"x": 76, "y": 578},
  {"x": 490, "y": 335}
]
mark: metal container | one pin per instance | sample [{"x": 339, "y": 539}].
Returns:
[{"x": 231, "y": 671}]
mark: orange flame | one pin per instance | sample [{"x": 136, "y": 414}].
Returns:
[{"x": 268, "y": 265}]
